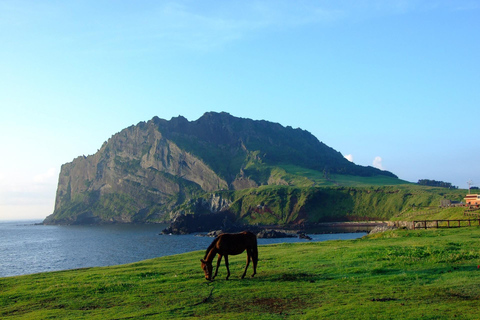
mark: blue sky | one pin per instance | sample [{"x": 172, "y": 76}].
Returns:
[{"x": 393, "y": 84}]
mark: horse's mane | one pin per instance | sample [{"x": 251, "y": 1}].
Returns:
[{"x": 210, "y": 247}]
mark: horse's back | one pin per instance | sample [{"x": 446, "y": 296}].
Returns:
[
  {"x": 236, "y": 243},
  {"x": 251, "y": 238}
]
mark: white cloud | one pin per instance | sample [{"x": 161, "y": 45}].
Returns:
[
  {"x": 27, "y": 196},
  {"x": 349, "y": 157},
  {"x": 377, "y": 163},
  {"x": 47, "y": 177},
  {"x": 25, "y": 212}
]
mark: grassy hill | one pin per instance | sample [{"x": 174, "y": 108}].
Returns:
[
  {"x": 305, "y": 195},
  {"x": 401, "y": 274}
]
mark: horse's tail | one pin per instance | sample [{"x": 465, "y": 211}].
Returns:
[{"x": 211, "y": 246}]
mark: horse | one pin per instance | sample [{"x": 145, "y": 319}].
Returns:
[{"x": 230, "y": 244}]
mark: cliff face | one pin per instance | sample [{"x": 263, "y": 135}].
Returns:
[
  {"x": 144, "y": 172},
  {"x": 137, "y": 175}
]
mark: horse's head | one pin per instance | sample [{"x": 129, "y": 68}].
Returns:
[{"x": 207, "y": 268}]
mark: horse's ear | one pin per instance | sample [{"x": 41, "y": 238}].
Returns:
[{"x": 201, "y": 260}]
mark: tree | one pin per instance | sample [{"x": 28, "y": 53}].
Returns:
[{"x": 434, "y": 183}]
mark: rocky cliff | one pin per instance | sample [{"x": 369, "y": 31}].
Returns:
[{"x": 145, "y": 172}]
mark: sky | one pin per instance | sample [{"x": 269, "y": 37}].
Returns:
[{"x": 388, "y": 83}]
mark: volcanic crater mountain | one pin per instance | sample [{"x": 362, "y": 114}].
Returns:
[{"x": 157, "y": 170}]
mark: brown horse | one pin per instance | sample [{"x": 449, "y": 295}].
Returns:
[{"x": 230, "y": 244}]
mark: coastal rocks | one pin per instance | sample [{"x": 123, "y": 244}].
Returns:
[
  {"x": 215, "y": 233},
  {"x": 382, "y": 228},
  {"x": 191, "y": 223},
  {"x": 305, "y": 236},
  {"x": 269, "y": 234},
  {"x": 392, "y": 225},
  {"x": 262, "y": 234}
]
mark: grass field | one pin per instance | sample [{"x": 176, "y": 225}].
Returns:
[
  {"x": 434, "y": 213},
  {"x": 400, "y": 274},
  {"x": 319, "y": 179}
]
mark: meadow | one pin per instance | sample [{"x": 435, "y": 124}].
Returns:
[{"x": 400, "y": 274}]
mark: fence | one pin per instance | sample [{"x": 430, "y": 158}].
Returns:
[
  {"x": 425, "y": 224},
  {"x": 472, "y": 212}
]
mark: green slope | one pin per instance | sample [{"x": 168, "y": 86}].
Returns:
[
  {"x": 227, "y": 143},
  {"x": 287, "y": 205}
]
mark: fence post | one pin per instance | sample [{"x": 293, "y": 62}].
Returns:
[{"x": 425, "y": 224}]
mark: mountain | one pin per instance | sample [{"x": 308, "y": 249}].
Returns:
[{"x": 150, "y": 171}]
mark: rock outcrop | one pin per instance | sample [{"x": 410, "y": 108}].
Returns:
[{"x": 137, "y": 175}]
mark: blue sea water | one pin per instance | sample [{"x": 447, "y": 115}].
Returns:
[{"x": 27, "y": 248}]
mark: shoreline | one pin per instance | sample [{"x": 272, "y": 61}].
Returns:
[{"x": 279, "y": 231}]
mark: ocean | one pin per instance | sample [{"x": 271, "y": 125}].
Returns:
[{"x": 26, "y": 247}]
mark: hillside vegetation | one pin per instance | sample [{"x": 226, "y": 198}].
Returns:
[
  {"x": 286, "y": 205},
  {"x": 401, "y": 274}
]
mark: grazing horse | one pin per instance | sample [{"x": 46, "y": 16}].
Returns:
[{"x": 230, "y": 244}]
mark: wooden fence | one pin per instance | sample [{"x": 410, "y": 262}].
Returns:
[
  {"x": 472, "y": 212},
  {"x": 425, "y": 224}
]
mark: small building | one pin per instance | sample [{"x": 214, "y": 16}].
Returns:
[
  {"x": 445, "y": 203},
  {"x": 472, "y": 199}
]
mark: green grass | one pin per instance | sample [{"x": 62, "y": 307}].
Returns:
[
  {"x": 433, "y": 213},
  {"x": 296, "y": 175},
  {"x": 357, "y": 181},
  {"x": 401, "y": 274}
]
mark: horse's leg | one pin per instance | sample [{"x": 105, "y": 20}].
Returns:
[
  {"x": 248, "y": 262},
  {"x": 218, "y": 265},
  {"x": 254, "y": 260},
  {"x": 226, "y": 264}
]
